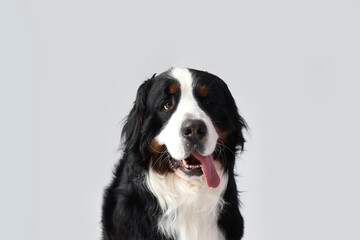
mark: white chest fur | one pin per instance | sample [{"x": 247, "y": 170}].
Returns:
[{"x": 190, "y": 208}]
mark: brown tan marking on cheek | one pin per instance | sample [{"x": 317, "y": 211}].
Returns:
[
  {"x": 159, "y": 160},
  {"x": 222, "y": 136},
  {"x": 203, "y": 90},
  {"x": 155, "y": 147},
  {"x": 222, "y": 140},
  {"x": 173, "y": 88}
]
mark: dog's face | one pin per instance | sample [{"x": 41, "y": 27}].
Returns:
[{"x": 182, "y": 120}]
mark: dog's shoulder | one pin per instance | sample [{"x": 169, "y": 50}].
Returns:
[{"x": 129, "y": 208}]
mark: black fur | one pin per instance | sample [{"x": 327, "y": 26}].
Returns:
[{"x": 130, "y": 210}]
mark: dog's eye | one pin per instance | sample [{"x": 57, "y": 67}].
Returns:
[{"x": 168, "y": 105}]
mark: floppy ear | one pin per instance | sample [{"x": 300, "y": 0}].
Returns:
[
  {"x": 134, "y": 121},
  {"x": 240, "y": 123}
]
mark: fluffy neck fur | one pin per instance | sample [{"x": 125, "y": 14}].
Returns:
[{"x": 190, "y": 209}]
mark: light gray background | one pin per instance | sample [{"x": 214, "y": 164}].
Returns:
[{"x": 69, "y": 71}]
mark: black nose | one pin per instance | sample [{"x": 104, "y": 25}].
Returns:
[{"x": 193, "y": 130}]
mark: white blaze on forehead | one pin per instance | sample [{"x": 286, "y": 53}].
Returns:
[
  {"x": 187, "y": 108},
  {"x": 185, "y": 79}
]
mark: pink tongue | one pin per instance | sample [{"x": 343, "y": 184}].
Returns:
[{"x": 208, "y": 168}]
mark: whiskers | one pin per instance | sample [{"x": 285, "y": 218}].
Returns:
[
  {"x": 161, "y": 159},
  {"x": 152, "y": 148},
  {"x": 220, "y": 150}
]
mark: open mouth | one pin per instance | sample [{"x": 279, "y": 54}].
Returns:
[
  {"x": 197, "y": 165},
  {"x": 191, "y": 166},
  {"x": 191, "y": 163}
]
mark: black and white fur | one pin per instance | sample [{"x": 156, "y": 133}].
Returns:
[{"x": 151, "y": 195}]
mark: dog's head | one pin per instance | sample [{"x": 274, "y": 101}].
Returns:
[{"x": 182, "y": 120}]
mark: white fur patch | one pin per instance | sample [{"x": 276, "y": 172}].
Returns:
[
  {"x": 187, "y": 108},
  {"x": 190, "y": 209}
]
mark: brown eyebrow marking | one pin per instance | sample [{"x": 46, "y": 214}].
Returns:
[
  {"x": 203, "y": 90},
  {"x": 173, "y": 88}
]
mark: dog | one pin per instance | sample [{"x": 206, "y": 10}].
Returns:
[{"x": 176, "y": 178}]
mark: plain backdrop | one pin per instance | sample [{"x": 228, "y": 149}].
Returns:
[{"x": 69, "y": 71}]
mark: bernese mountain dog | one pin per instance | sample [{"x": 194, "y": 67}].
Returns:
[{"x": 176, "y": 178}]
